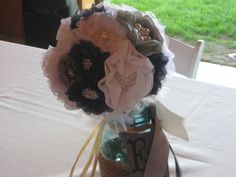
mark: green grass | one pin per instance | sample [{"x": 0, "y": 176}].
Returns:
[{"x": 211, "y": 20}]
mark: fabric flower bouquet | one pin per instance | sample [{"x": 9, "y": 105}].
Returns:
[{"x": 109, "y": 61}]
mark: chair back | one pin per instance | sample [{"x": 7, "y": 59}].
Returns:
[{"x": 187, "y": 57}]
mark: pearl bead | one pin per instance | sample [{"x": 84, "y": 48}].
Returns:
[
  {"x": 137, "y": 26},
  {"x": 143, "y": 33}
]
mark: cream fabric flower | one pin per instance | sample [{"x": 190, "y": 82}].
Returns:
[
  {"x": 103, "y": 30},
  {"x": 128, "y": 78}
]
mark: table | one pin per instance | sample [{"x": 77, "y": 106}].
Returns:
[{"x": 39, "y": 138}]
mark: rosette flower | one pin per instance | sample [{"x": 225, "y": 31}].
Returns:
[
  {"x": 141, "y": 31},
  {"x": 80, "y": 70},
  {"x": 128, "y": 78}
]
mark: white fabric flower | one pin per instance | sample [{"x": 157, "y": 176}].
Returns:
[{"x": 128, "y": 78}]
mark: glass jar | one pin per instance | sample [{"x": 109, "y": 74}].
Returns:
[{"x": 126, "y": 143}]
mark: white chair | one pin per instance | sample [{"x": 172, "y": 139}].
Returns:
[{"x": 187, "y": 57}]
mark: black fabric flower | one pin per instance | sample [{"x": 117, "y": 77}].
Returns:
[
  {"x": 89, "y": 61},
  {"x": 159, "y": 61},
  {"x": 68, "y": 70},
  {"x": 88, "y": 97},
  {"x": 81, "y": 70},
  {"x": 84, "y": 14}
]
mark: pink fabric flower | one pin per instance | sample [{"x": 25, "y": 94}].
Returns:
[
  {"x": 65, "y": 36},
  {"x": 128, "y": 78},
  {"x": 65, "y": 39}
]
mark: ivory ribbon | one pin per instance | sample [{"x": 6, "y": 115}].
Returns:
[
  {"x": 97, "y": 131},
  {"x": 170, "y": 121}
]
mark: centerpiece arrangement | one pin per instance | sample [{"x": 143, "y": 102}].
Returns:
[{"x": 110, "y": 61}]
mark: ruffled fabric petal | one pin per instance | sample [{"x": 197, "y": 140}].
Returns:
[
  {"x": 103, "y": 31},
  {"x": 146, "y": 47},
  {"x": 159, "y": 62},
  {"x": 65, "y": 40},
  {"x": 65, "y": 36},
  {"x": 50, "y": 68},
  {"x": 137, "y": 73}
]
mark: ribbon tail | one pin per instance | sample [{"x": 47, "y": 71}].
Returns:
[
  {"x": 87, "y": 164},
  {"x": 94, "y": 166},
  {"x": 170, "y": 121},
  {"x": 82, "y": 150},
  {"x": 95, "y": 150}
]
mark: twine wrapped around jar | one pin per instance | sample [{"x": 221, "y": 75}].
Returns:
[{"x": 109, "y": 168}]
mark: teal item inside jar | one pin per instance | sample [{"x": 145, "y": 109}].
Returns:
[
  {"x": 140, "y": 118},
  {"x": 114, "y": 147}
]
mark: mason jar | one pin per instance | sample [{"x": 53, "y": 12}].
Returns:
[{"x": 126, "y": 143}]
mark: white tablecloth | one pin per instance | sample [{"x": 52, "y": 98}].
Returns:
[{"x": 39, "y": 138}]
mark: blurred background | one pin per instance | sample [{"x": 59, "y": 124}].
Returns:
[{"x": 35, "y": 22}]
